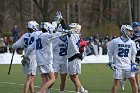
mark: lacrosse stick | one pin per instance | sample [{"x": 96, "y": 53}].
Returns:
[
  {"x": 11, "y": 62},
  {"x": 50, "y": 39}
]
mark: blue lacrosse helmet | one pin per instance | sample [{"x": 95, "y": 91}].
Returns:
[
  {"x": 135, "y": 24},
  {"x": 136, "y": 30}
]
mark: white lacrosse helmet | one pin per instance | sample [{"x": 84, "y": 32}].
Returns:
[
  {"x": 32, "y": 25},
  {"x": 72, "y": 25},
  {"x": 75, "y": 27},
  {"x": 78, "y": 29},
  {"x": 125, "y": 28},
  {"x": 47, "y": 26}
]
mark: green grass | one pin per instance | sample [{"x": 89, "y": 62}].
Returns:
[{"x": 96, "y": 78}]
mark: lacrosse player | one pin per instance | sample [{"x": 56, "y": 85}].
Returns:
[
  {"x": 122, "y": 52},
  {"x": 75, "y": 57},
  {"x": 60, "y": 59},
  {"x": 44, "y": 57},
  {"x": 28, "y": 63},
  {"x": 44, "y": 53},
  {"x": 136, "y": 38}
]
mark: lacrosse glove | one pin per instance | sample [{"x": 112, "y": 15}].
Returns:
[
  {"x": 134, "y": 67},
  {"x": 111, "y": 65},
  {"x": 25, "y": 60},
  {"x": 58, "y": 17}
]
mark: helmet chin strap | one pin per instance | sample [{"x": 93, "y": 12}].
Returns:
[{"x": 124, "y": 32}]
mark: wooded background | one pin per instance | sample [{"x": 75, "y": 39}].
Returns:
[{"x": 95, "y": 16}]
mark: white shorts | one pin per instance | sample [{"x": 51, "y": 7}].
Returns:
[
  {"x": 74, "y": 67},
  {"x": 43, "y": 69},
  {"x": 62, "y": 68},
  {"x": 30, "y": 68},
  {"x": 121, "y": 73}
]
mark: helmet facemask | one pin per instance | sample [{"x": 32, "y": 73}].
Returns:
[{"x": 127, "y": 31}]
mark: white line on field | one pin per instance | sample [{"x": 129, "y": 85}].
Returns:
[{"x": 11, "y": 83}]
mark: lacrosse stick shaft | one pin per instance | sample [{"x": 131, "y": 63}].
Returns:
[
  {"x": 50, "y": 39},
  {"x": 11, "y": 62}
]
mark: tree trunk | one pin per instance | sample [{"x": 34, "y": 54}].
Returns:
[
  {"x": 130, "y": 13},
  {"x": 20, "y": 10},
  {"x": 138, "y": 4},
  {"x": 100, "y": 12},
  {"x": 68, "y": 12}
]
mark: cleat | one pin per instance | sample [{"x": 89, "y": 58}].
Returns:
[
  {"x": 82, "y": 90},
  {"x": 48, "y": 90},
  {"x": 139, "y": 88},
  {"x": 122, "y": 84}
]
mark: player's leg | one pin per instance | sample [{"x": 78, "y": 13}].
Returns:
[
  {"x": 118, "y": 75},
  {"x": 137, "y": 78},
  {"x": 56, "y": 67},
  {"x": 76, "y": 81},
  {"x": 115, "y": 86},
  {"x": 131, "y": 76},
  {"x": 43, "y": 75},
  {"x": 30, "y": 75},
  {"x": 31, "y": 87},
  {"x": 49, "y": 88},
  {"x": 63, "y": 75},
  {"x": 27, "y": 85},
  {"x": 63, "y": 82},
  {"x": 32, "y": 71},
  {"x": 48, "y": 69},
  {"x": 44, "y": 79},
  {"x": 74, "y": 69},
  {"x": 134, "y": 84}
]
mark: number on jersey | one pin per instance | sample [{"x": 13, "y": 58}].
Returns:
[
  {"x": 123, "y": 52},
  {"x": 38, "y": 44}
]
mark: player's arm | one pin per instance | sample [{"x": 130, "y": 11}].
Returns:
[
  {"x": 19, "y": 43},
  {"x": 134, "y": 52},
  {"x": 110, "y": 48}
]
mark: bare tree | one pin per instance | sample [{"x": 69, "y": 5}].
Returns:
[
  {"x": 44, "y": 9},
  {"x": 100, "y": 12}
]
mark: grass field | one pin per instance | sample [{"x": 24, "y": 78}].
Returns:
[{"x": 96, "y": 78}]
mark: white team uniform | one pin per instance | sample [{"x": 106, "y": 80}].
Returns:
[
  {"x": 43, "y": 51},
  {"x": 24, "y": 42},
  {"x": 74, "y": 66},
  {"x": 122, "y": 53},
  {"x": 60, "y": 59}
]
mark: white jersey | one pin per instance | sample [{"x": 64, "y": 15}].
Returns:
[
  {"x": 60, "y": 47},
  {"x": 24, "y": 42},
  {"x": 73, "y": 47},
  {"x": 43, "y": 48},
  {"x": 122, "y": 52}
]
